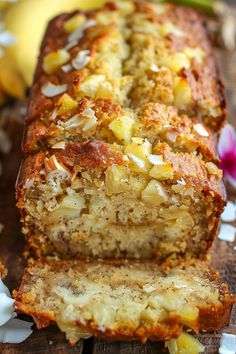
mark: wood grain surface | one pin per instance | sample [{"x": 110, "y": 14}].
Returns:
[{"x": 50, "y": 340}]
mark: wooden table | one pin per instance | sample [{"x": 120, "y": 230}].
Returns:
[{"x": 50, "y": 340}]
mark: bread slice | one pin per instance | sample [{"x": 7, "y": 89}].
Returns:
[
  {"x": 124, "y": 300},
  {"x": 101, "y": 200}
]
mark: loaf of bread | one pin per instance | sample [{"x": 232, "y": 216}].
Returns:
[
  {"x": 120, "y": 136},
  {"x": 126, "y": 300}
]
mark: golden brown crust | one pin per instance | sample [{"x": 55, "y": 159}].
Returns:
[
  {"x": 211, "y": 317},
  {"x": 204, "y": 77},
  {"x": 3, "y": 271}
]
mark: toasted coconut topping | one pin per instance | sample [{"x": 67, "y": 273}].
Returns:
[
  {"x": 52, "y": 164},
  {"x": 157, "y": 69},
  {"x": 139, "y": 162},
  {"x": 156, "y": 159},
  {"x": 81, "y": 60},
  {"x": 78, "y": 34},
  {"x": 199, "y": 128},
  {"x": 51, "y": 90},
  {"x": 66, "y": 68},
  {"x": 29, "y": 183},
  {"x": 59, "y": 145}
]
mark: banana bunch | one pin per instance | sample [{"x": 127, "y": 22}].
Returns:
[{"x": 27, "y": 21}]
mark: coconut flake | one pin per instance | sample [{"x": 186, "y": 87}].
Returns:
[
  {"x": 51, "y": 90},
  {"x": 157, "y": 69},
  {"x": 156, "y": 159},
  {"x": 78, "y": 33},
  {"x": 139, "y": 162},
  {"x": 60, "y": 145},
  {"x": 227, "y": 233},
  {"x": 227, "y": 344},
  {"x": 81, "y": 59},
  {"x": 66, "y": 68},
  {"x": 229, "y": 213},
  {"x": 29, "y": 183},
  {"x": 181, "y": 181},
  {"x": 199, "y": 128},
  {"x": 15, "y": 331}
]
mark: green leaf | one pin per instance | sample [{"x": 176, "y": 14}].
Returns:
[{"x": 204, "y": 5}]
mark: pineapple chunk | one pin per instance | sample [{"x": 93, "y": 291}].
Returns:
[
  {"x": 184, "y": 344},
  {"x": 74, "y": 22},
  {"x": 137, "y": 184},
  {"x": 182, "y": 93},
  {"x": 65, "y": 103},
  {"x": 73, "y": 202},
  {"x": 96, "y": 86},
  {"x": 176, "y": 62},
  {"x": 214, "y": 170},
  {"x": 168, "y": 28},
  {"x": 163, "y": 171},
  {"x": 138, "y": 151},
  {"x": 154, "y": 193},
  {"x": 195, "y": 53},
  {"x": 122, "y": 127},
  {"x": 189, "y": 316},
  {"x": 116, "y": 179},
  {"x": 54, "y": 60}
]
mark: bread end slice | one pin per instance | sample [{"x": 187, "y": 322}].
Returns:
[{"x": 124, "y": 300}]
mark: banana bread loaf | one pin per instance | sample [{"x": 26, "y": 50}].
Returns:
[
  {"x": 120, "y": 136},
  {"x": 125, "y": 300}
]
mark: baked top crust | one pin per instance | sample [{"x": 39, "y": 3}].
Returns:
[{"x": 128, "y": 67}]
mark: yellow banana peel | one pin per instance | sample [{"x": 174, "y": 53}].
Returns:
[
  {"x": 27, "y": 20},
  {"x": 11, "y": 81}
]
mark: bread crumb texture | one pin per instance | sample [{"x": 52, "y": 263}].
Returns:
[{"x": 124, "y": 300}]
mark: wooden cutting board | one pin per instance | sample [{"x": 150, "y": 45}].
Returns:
[{"x": 50, "y": 340}]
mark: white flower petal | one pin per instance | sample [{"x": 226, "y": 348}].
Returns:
[
  {"x": 6, "y": 308},
  {"x": 227, "y": 141},
  {"x": 227, "y": 344},
  {"x": 15, "y": 331},
  {"x": 227, "y": 233},
  {"x": 229, "y": 213},
  {"x": 3, "y": 288}
]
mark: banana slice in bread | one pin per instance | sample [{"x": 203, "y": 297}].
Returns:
[{"x": 124, "y": 300}]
